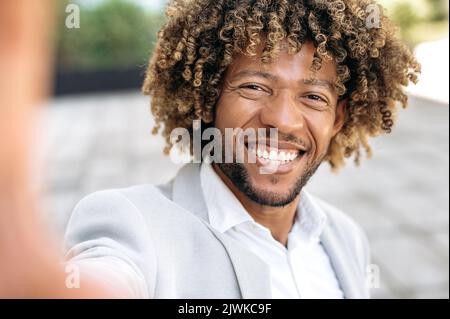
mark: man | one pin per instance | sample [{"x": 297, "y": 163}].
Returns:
[{"x": 326, "y": 75}]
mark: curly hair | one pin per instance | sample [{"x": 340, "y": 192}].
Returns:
[{"x": 201, "y": 38}]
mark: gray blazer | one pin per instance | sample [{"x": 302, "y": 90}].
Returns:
[{"x": 156, "y": 242}]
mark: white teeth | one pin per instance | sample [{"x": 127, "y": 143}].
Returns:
[
  {"x": 273, "y": 155},
  {"x": 280, "y": 157}
]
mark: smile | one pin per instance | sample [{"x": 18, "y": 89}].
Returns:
[{"x": 283, "y": 158}]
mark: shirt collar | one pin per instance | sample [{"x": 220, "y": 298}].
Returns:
[
  {"x": 225, "y": 211},
  {"x": 312, "y": 219}
]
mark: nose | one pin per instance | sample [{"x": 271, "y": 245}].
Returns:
[{"x": 283, "y": 113}]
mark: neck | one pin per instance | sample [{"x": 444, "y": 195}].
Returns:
[{"x": 278, "y": 220}]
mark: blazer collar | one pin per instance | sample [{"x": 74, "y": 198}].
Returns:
[
  {"x": 251, "y": 272},
  {"x": 343, "y": 264},
  {"x": 340, "y": 257}
]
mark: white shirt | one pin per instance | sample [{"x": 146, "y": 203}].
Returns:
[{"x": 303, "y": 269}]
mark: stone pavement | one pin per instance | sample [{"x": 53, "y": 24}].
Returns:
[{"x": 400, "y": 197}]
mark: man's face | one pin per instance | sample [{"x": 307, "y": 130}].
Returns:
[{"x": 282, "y": 95}]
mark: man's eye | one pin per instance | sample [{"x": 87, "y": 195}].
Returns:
[
  {"x": 253, "y": 87},
  {"x": 315, "y": 97}
]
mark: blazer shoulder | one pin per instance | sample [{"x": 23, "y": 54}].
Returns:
[
  {"x": 107, "y": 229},
  {"x": 120, "y": 197}
]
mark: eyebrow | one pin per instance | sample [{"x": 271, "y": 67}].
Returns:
[
  {"x": 266, "y": 75},
  {"x": 259, "y": 74},
  {"x": 316, "y": 82}
]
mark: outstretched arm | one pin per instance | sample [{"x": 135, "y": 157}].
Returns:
[{"x": 29, "y": 264}]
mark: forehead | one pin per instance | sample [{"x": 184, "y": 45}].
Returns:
[{"x": 290, "y": 67}]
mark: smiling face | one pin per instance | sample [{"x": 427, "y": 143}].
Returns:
[{"x": 306, "y": 112}]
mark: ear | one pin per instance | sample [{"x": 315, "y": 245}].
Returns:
[{"x": 339, "y": 119}]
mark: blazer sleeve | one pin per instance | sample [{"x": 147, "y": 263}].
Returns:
[{"x": 107, "y": 240}]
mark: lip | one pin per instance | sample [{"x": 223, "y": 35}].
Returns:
[{"x": 281, "y": 168}]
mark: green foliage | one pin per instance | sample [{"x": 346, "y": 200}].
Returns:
[
  {"x": 439, "y": 9},
  {"x": 419, "y": 20},
  {"x": 406, "y": 17},
  {"x": 115, "y": 34}
]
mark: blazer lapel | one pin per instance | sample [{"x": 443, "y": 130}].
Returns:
[
  {"x": 343, "y": 262},
  {"x": 343, "y": 265},
  {"x": 251, "y": 272}
]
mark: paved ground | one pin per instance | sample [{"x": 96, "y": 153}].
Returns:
[{"x": 400, "y": 197}]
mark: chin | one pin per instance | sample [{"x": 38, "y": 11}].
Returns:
[
  {"x": 277, "y": 189},
  {"x": 272, "y": 189}
]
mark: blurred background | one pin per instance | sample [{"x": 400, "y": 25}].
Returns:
[{"x": 97, "y": 135}]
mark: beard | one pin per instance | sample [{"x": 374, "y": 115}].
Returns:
[{"x": 238, "y": 174}]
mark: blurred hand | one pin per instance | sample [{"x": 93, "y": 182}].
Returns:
[{"x": 29, "y": 264}]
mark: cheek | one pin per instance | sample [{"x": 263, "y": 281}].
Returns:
[
  {"x": 321, "y": 127},
  {"x": 233, "y": 112}
]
